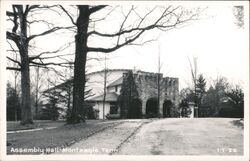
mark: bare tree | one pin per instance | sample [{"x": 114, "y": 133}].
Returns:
[
  {"x": 37, "y": 86},
  {"x": 194, "y": 71},
  {"x": 159, "y": 79},
  {"x": 21, "y": 37},
  {"x": 133, "y": 25}
]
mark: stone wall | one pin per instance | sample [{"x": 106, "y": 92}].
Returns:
[{"x": 147, "y": 88}]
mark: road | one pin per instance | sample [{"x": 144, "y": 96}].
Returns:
[
  {"x": 172, "y": 136},
  {"x": 213, "y": 136}
]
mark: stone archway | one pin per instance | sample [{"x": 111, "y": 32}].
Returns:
[
  {"x": 135, "y": 109},
  {"x": 152, "y": 108},
  {"x": 167, "y": 108}
]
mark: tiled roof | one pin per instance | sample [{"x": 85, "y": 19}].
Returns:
[{"x": 110, "y": 97}]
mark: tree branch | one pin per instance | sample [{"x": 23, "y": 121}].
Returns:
[
  {"x": 15, "y": 27},
  {"x": 51, "y": 63},
  {"x": 108, "y": 50},
  {"x": 156, "y": 24},
  {"x": 124, "y": 21},
  {"x": 13, "y": 68},
  {"x": 50, "y": 52},
  {"x": 104, "y": 16},
  {"x": 162, "y": 23},
  {"x": 15, "y": 61},
  {"x": 96, "y": 8},
  {"x": 28, "y": 9},
  {"x": 38, "y": 21},
  {"x": 67, "y": 13},
  {"x": 47, "y": 32},
  {"x": 11, "y": 14},
  {"x": 12, "y": 36}
]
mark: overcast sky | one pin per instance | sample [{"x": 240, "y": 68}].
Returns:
[
  {"x": 219, "y": 45},
  {"x": 221, "y": 48}
]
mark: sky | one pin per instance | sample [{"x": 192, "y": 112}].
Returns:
[
  {"x": 221, "y": 48},
  {"x": 219, "y": 45}
]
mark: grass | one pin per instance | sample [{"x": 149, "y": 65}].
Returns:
[
  {"x": 15, "y": 125},
  {"x": 60, "y": 137}
]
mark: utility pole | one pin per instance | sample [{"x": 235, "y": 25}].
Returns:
[
  {"x": 158, "y": 80},
  {"x": 195, "y": 89},
  {"x": 104, "y": 86}
]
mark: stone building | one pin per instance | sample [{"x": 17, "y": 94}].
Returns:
[
  {"x": 129, "y": 94},
  {"x": 134, "y": 94}
]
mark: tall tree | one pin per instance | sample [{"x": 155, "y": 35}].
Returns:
[
  {"x": 200, "y": 91},
  {"x": 200, "y": 88},
  {"x": 20, "y": 36},
  {"x": 129, "y": 93},
  {"x": 132, "y": 26},
  {"x": 52, "y": 110},
  {"x": 215, "y": 94}
]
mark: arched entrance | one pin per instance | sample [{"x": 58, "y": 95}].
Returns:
[
  {"x": 152, "y": 108},
  {"x": 167, "y": 108},
  {"x": 135, "y": 109}
]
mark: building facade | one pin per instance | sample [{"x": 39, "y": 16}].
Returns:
[{"x": 133, "y": 94}]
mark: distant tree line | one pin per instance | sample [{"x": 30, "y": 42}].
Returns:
[
  {"x": 13, "y": 104},
  {"x": 220, "y": 99}
]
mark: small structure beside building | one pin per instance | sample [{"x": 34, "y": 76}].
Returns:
[{"x": 191, "y": 106}]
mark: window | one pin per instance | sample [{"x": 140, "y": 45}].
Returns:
[
  {"x": 113, "y": 108},
  {"x": 116, "y": 88}
]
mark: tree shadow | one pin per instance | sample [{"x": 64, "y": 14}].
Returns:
[{"x": 239, "y": 123}]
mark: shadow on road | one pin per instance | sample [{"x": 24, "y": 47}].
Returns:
[{"x": 239, "y": 123}]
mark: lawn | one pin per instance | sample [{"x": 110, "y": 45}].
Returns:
[
  {"x": 15, "y": 125},
  {"x": 63, "y": 135}
]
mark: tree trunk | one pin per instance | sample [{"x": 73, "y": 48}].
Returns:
[
  {"x": 80, "y": 62},
  {"x": 25, "y": 86},
  {"x": 25, "y": 71}
]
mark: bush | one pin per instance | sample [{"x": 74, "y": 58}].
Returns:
[
  {"x": 113, "y": 116},
  {"x": 151, "y": 115},
  {"x": 231, "y": 112}
]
